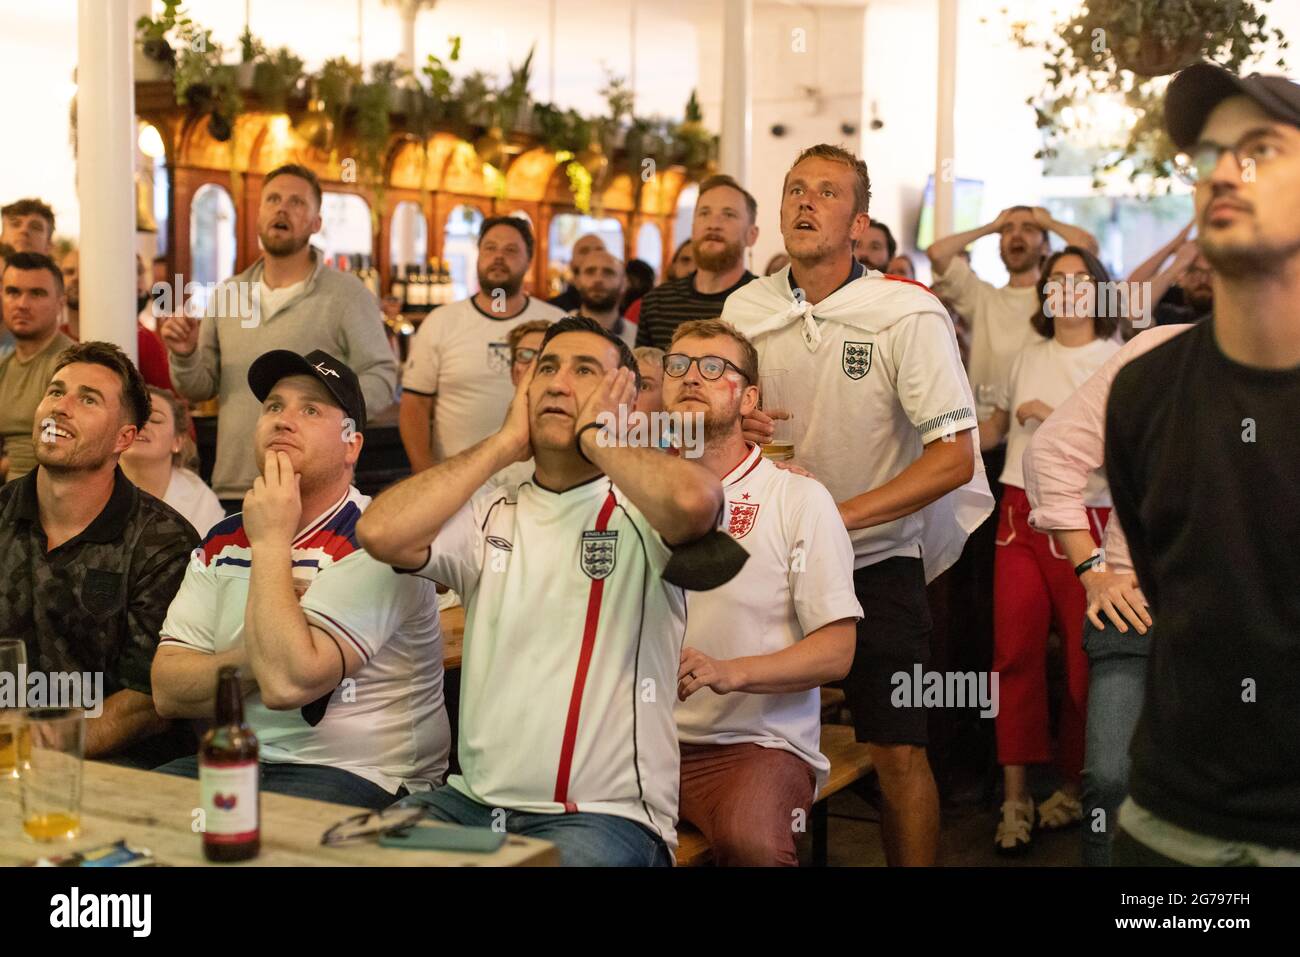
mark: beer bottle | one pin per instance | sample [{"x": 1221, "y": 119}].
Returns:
[{"x": 228, "y": 782}]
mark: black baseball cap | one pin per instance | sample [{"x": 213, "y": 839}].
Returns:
[
  {"x": 269, "y": 368},
  {"x": 1196, "y": 91}
]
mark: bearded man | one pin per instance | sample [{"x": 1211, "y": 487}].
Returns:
[
  {"x": 288, "y": 299},
  {"x": 722, "y": 230}
]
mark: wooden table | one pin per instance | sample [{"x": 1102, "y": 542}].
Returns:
[
  {"x": 453, "y": 636},
  {"x": 155, "y": 811}
]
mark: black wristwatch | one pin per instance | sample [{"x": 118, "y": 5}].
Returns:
[
  {"x": 1090, "y": 563},
  {"x": 577, "y": 440}
]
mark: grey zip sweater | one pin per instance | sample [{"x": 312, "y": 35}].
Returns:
[{"x": 334, "y": 312}]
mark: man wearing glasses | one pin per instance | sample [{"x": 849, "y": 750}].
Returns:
[
  {"x": 759, "y": 647},
  {"x": 574, "y": 616},
  {"x": 1203, "y": 456}
]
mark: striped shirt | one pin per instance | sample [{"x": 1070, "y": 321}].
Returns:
[{"x": 666, "y": 307}]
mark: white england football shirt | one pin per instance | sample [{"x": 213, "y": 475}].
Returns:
[
  {"x": 572, "y": 642},
  {"x": 799, "y": 577},
  {"x": 865, "y": 404},
  {"x": 386, "y": 723},
  {"x": 461, "y": 357}
]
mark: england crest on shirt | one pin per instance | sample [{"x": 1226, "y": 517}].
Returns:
[
  {"x": 599, "y": 553},
  {"x": 740, "y": 518},
  {"x": 857, "y": 359}
]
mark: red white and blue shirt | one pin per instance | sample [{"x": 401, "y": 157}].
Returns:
[
  {"x": 387, "y": 722},
  {"x": 572, "y": 642}
]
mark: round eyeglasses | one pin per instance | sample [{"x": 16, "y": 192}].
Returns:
[{"x": 677, "y": 364}]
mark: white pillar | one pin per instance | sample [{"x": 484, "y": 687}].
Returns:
[
  {"x": 945, "y": 165},
  {"x": 737, "y": 88},
  {"x": 406, "y": 231},
  {"x": 105, "y": 185}
]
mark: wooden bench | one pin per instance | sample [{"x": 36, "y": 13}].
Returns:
[{"x": 849, "y": 762}]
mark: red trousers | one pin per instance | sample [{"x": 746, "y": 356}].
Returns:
[
  {"x": 744, "y": 798},
  {"x": 1034, "y": 588}
]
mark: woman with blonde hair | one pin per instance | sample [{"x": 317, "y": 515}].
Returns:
[{"x": 163, "y": 459}]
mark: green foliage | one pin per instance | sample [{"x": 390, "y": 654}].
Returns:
[
  {"x": 1128, "y": 49},
  {"x": 275, "y": 76}
]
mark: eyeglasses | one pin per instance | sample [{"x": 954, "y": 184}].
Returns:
[
  {"x": 391, "y": 820},
  {"x": 1076, "y": 279},
  {"x": 524, "y": 356},
  {"x": 677, "y": 364},
  {"x": 1199, "y": 163}
]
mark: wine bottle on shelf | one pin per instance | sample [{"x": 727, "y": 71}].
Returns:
[{"x": 397, "y": 288}]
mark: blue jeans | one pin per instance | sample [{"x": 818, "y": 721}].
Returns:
[
  {"x": 316, "y": 781},
  {"x": 583, "y": 839},
  {"x": 1117, "y": 663}
]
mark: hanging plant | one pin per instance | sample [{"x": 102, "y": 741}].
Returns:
[
  {"x": 693, "y": 146},
  {"x": 334, "y": 85},
  {"x": 1124, "y": 51},
  {"x": 275, "y": 77},
  {"x": 371, "y": 104},
  {"x": 513, "y": 102},
  {"x": 155, "y": 35},
  {"x": 442, "y": 83}
]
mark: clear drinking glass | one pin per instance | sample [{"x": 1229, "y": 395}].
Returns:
[
  {"x": 14, "y": 745},
  {"x": 51, "y": 784},
  {"x": 773, "y": 397},
  {"x": 986, "y": 398}
]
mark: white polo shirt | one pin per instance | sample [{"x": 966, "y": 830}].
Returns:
[
  {"x": 865, "y": 403},
  {"x": 799, "y": 577},
  {"x": 461, "y": 357},
  {"x": 386, "y": 723},
  {"x": 572, "y": 642}
]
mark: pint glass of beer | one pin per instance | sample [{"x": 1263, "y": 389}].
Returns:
[
  {"x": 772, "y": 397},
  {"x": 13, "y": 740},
  {"x": 51, "y": 784}
]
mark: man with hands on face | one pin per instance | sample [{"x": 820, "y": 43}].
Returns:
[
  {"x": 759, "y": 647},
  {"x": 284, "y": 591},
  {"x": 574, "y": 618}
]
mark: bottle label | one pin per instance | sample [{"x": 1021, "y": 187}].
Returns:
[{"x": 228, "y": 796}]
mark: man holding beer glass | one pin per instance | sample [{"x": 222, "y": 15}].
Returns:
[{"x": 879, "y": 409}]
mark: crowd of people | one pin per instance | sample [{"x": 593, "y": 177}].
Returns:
[{"x": 648, "y": 624}]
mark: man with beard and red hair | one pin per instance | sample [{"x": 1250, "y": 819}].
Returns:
[
  {"x": 759, "y": 647},
  {"x": 722, "y": 230},
  {"x": 288, "y": 299},
  {"x": 456, "y": 381}
]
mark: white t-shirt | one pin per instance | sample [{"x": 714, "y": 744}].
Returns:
[
  {"x": 865, "y": 404},
  {"x": 799, "y": 577},
  {"x": 572, "y": 642},
  {"x": 188, "y": 494},
  {"x": 387, "y": 723},
  {"x": 271, "y": 301},
  {"x": 999, "y": 319},
  {"x": 461, "y": 357},
  {"x": 1050, "y": 372}
]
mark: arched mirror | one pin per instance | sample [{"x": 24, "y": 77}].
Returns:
[
  {"x": 408, "y": 245},
  {"x": 212, "y": 241},
  {"x": 345, "y": 231},
  {"x": 650, "y": 246},
  {"x": 460, "y": 249},
  {"x": 685, "y": 213}
]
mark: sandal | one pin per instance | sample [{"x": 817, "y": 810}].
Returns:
[
  {"x": 1015, "y": 830},
  {"x": 1059, "y": 811}
]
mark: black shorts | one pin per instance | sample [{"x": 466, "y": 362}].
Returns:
[{"x": 893, "y": 636}]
